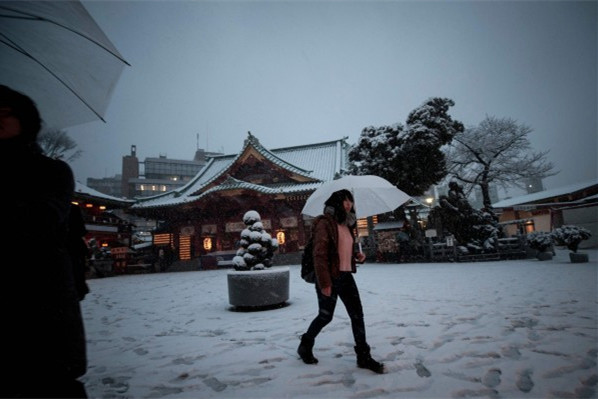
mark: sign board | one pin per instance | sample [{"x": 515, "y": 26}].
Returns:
[
  {"x": 430, "y": 233},
  {"x": 450, "y": 241},
  {"x": 209, "y": 229},
  {"x": 187, "y": 230},
  {"x": 119, "y": 250},
  {"x": 233, "y": 227},
  {"x": 288, "y": 222},
  {"x": 524, "y": 207}
]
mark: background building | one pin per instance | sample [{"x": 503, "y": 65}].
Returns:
[
  {"x": 152, "y": 176},
  {"x": 534, "y": 185},
  {"x": 576, "y": 204},
  {"x": 477, "y": 202},
  {"x": 107, "y": 185}
]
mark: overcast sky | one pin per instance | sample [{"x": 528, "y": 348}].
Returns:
[{"x": 296, "y": 73}]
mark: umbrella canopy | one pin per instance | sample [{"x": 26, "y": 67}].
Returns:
[
  {"x": 55, "y": 53},
  {"x": 373, "y": 195}
]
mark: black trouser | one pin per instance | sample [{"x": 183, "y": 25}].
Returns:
[{"x": 343, "y": 287}]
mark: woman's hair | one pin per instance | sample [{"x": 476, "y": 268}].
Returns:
[
  {"x": 336, "y": 202},
  {"x": 24, "y": 109}
]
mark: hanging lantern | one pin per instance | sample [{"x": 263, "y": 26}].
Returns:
[
  {"x": 207, "y": 243},
  {"x": 280, "y": 237},
  {"x": 529, "y": 226}
]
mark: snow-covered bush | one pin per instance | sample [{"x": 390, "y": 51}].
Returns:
[
  {"x": 257, "y": 246},
  {"x": 539, "y": 240},
  {"x": 570, "y": 236}
]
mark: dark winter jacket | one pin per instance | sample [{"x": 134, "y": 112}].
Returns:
[
  {"x": 43, "y": 326},
  {"x": 326, "y": 260},
  {"x": 78, "y": 250}
]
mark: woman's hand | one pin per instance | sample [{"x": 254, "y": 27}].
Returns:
[
  {"x": 326, "y": 291},
  {"x": 360, "y": 257}
]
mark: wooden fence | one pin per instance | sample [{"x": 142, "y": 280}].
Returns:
[{"x": 508, "y": 248}]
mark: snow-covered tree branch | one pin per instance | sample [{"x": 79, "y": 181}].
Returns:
[
  {"x": 497, "y": 151},
  {"x": 408, "y": 156}
]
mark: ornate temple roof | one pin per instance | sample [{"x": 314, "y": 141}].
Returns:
[{"x": 304, "y": 169}]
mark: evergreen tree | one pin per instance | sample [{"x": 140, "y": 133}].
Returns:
[{"x": 408, "y": 156}]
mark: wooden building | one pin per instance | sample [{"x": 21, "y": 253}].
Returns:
[
  {"x": 206, "y": 214},
  {"x": 575, "y": 204},
  {"x": 99, "y": 214}
]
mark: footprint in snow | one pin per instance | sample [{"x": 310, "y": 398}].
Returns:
[
  {"x": 524, "y": 381},
  {"x": 422, "y": 371},
  {"x": 492, "y": 378},
  {"x": 215, "y": 384}
]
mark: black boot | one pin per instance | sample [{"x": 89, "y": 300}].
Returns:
[
  {"x": 365, "y": 361},
  {"x": 305, "y": 350}
]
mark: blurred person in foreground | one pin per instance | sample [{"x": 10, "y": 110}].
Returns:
[
  {"x": 44, "y": 340},
  {"x": 334, "y": 263}
]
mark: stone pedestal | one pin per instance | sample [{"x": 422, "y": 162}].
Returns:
[
  {"x": 544, "y": 255},
  {"x": 258, "y": 289},
  {"x": 578, "y": 258}
]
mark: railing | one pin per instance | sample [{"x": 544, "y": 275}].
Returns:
[
  {"x": 512, "y": 247},
  {"x": 508, "y": 248}
]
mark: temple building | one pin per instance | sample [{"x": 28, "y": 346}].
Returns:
[
  {"x": 205, "y": 215},
  {"x": 102, "y": 215}
]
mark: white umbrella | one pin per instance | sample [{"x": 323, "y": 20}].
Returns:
[
  {"x": 373, "y": 195},
  {"x": 55, "y": 53}
]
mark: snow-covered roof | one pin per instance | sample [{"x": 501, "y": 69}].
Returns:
[
  {"x": 142, "y": 245},
  {"x": 313, "y": 164},
  {"x": 394, "y": 225},
  {"x": 591, "y": 198},
  {"x": 82, "y": 190},
  {"x": 544, "y": 195}
]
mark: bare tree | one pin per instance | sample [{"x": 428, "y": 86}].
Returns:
[
  {"x": 499, "y": 152},
  {"x": 58, "y": 145}
]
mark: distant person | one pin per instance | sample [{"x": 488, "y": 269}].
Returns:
[
  {"x": 335, "y": 263},
  {"x": 403, "y": 239},
  {"x": 162, "y": 259},
  {"x": 44, "y": 340}
]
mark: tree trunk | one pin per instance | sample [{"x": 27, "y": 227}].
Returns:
[{"x": 486, "y": 194}]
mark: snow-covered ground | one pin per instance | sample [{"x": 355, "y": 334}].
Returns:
[{"x": 510, "y": 329}]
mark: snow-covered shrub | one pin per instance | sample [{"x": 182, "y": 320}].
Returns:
[
  {"x": 257, "y": 246},
  {"x": 251, "y": 217},
  {"x": 539, "y": 240},
  {"x": 570, "y": 236}
]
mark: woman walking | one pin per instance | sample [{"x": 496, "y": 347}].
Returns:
[{"x": 335, "y": 263}]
